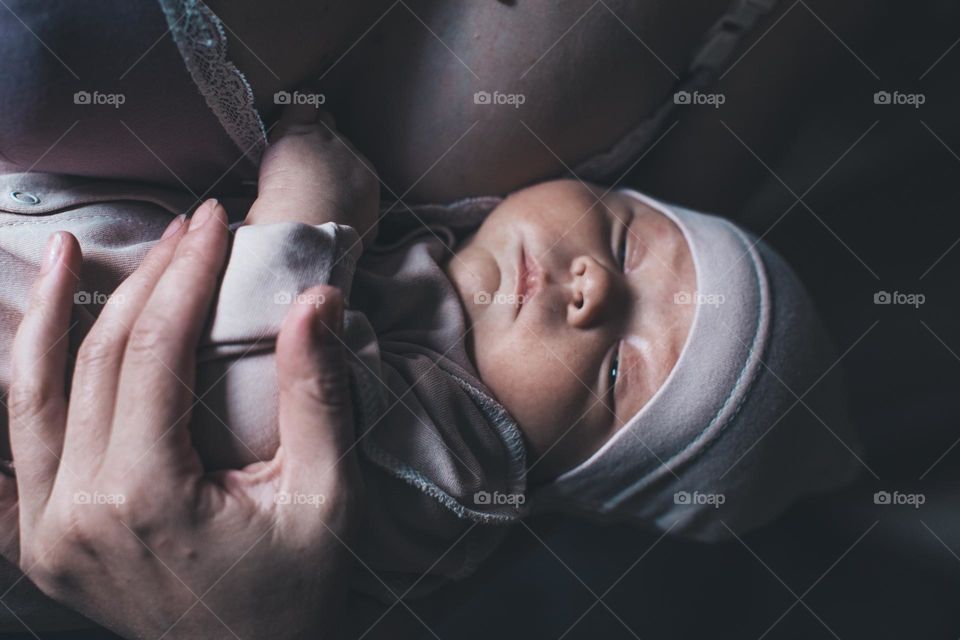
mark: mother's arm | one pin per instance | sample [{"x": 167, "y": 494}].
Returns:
[{"x": 117, "y": 518}]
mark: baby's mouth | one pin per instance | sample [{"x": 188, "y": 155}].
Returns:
[{"x": 529, "y": 278}]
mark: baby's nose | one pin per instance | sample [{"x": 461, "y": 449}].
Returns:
[{"x": 591, "y": 290}]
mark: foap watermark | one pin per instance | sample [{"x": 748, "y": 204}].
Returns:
[
  {"x": 898, "y": 98},
  {"x": 497, "y": 498},
  {"x": 297, "y": 97},
  {"x": 97, "y": 498},
  {"x": 896, "y": 498},
  {"x": 299, "y": 499},
  {"x": 96, "y": 298},
  {"x": 286, "y": 297},
  {"x": 696, "y": 297},
  {"x": 485, "y": 298},
  {"x": 898, "y": 297},
  {"x": 96, "y": 98},
  {"x": 687, "y": 498},
  {"x": 512, "y": 99},
  {"x": 697, "y": 98}
]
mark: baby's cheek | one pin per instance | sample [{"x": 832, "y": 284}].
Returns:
[
  {"x": 519, "y": 378},
  {"x": 234, "y": 421}
]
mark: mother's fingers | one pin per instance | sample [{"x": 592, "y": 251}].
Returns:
[
  {"x": 37, "y": 397},
  {"x": 101, "y": 354},
  {"x": 155, "y": 392}
]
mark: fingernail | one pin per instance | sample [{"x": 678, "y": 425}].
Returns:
[
  {"x": 203, "y": 214},
  {"x": 54, "y": 249},
  {"x": 173, "y": 227}
]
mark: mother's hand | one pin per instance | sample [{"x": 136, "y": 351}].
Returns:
[{"x": 117, "y": 518}]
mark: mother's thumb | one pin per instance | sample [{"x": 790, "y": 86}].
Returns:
[{"x": 315, "y": 409}]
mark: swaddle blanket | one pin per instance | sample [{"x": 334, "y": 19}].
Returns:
[{"x": 431, "y": 437}]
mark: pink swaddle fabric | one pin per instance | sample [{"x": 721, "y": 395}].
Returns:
[{"x": 429, "y": 434}]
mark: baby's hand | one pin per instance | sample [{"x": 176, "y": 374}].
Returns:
[{"x": 311, "y": 174}]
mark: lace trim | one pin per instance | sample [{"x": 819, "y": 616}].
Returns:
[{"x": 202, "y": 42}]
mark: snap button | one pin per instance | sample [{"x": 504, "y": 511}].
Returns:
[{"x": 24, "y": 197}]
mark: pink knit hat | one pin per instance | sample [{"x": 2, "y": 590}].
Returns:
[{"x": 743, "y": 425}]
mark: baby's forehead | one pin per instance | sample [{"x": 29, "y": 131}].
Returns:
[
  {"x": 593, "y": 199},
  {"x": 562, "y": 192}
]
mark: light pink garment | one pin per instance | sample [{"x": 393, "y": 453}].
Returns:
[{"x": 430, "y": 435}]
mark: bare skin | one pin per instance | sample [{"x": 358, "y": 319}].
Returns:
[
  {"x": 584, "y": 87},
  {"x": 404, "y": 90}
]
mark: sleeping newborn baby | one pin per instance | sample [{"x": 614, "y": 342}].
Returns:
[{"x": 568, "y": 348}]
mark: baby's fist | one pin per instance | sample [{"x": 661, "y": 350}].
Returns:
[{"x": 310, "y": 173}]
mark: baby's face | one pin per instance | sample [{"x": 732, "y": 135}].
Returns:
[{"x": 575, "y": 324}]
